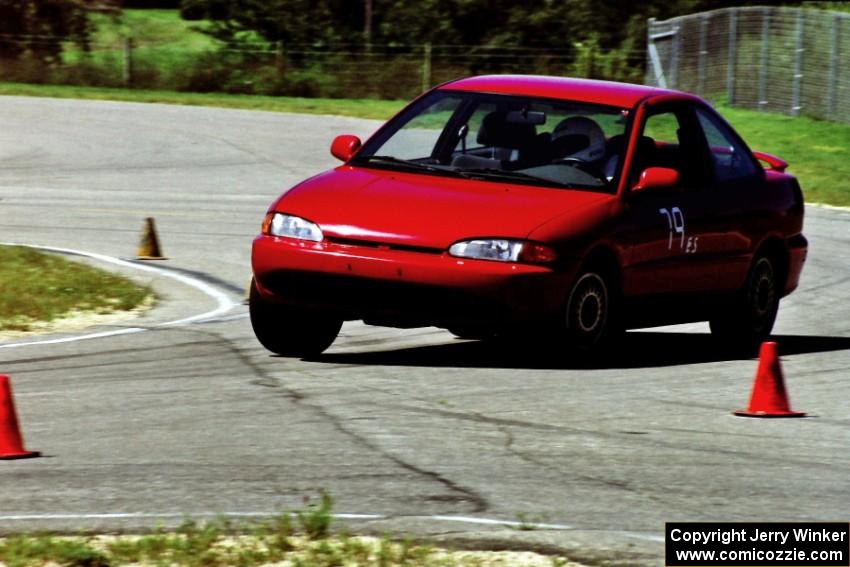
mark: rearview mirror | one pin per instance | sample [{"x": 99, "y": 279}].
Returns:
[
  {"x": 533, "y": 117},
  {"x": 657, "y": 178},
  {"x": 345, "y": 146}
]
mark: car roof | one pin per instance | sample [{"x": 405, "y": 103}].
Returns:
[{"x": 622, "y": 95}]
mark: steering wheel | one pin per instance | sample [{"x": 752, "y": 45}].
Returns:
[{"x": 584, "y": 166}]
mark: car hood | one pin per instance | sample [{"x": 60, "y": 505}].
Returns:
[{"x": 425, "y": 210}]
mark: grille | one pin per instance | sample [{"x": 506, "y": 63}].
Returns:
[
  {"x": 369, "y": 298},
  {"x": 387, "y": 246}
]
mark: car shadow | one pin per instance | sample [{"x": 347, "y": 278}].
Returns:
[{"x": 641, "y": 349}]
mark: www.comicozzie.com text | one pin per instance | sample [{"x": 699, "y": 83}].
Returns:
[{"x": 727, "y": 536}]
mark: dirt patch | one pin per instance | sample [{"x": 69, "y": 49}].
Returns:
[{"x": 77, "y": 320}]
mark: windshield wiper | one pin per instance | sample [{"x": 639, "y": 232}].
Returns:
[
  {"x": 486, "y": 172},
  {"x": 491, "y": 172},
  {"x": 403, "y": 163}
]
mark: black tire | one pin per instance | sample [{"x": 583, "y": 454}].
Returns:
[
  {"x": 749, "y": 319},
  {"x": 289, "y": 331},
  {"x": 591, "y": 322}
]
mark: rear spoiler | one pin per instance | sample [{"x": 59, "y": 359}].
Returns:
[{"x": 775, "y": 163}]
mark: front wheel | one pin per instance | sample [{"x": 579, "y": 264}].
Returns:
[
  {"x": 749, "y": 319},
  {"x": 289, "y": 331},
  {"x": 590, "y": 318}
]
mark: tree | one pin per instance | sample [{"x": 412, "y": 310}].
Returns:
[
  {"x": 290, "y": 21},
  {"x": 537, "y": 23},
  {"x": 600, "y": 38},
  {"x": 38, "y": 27},
  {"x": 152, "y": 4}
]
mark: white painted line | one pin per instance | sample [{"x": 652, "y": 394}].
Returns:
[
  {"x": 224, "y": 303},
  {"x": 367, "y": 517},
  {"x": 227, "y": 318},
  {"x": 644, "y": 537},
  {"x": 152, "y": 515},
  {"x": 506, "y": 523},
  {"x": 116, "y": 332}
]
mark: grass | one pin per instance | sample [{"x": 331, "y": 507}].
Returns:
[
  {"x": 360, "y": 108},
  {"x": 37, "y": 287},
  {"x": 214, "y": 545},
  {"x": 19, "y": 551},
  {"x": 219, "y": 543},
  {"x": 818, "y": 151},
  {"x": 315, "y": 520}
]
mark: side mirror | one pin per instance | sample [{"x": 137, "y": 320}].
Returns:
[
  {"x": 345, "y": 146},
  {"x": 657, "y": 178}
]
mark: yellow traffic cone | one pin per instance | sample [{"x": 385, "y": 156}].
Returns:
[{"x": 149, "y": 243}]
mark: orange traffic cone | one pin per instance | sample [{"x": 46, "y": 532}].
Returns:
[
  {"x": 11, "y": 444},
  {"x": 149, "y": 243},
  {"x": 769, "y": 398}
]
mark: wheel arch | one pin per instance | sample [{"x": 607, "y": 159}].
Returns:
[
  {"x": 775, "y": 248},
  {"x": 604, "y": 259}
]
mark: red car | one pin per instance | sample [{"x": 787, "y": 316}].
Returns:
[{"x": 503, "y": 205}]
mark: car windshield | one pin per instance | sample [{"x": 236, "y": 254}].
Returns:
[{"x": 548, "y": 142}]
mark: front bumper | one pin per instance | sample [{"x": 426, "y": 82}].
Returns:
[{"x": 403, "y": 287}]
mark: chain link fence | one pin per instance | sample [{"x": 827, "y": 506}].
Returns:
[
  {"x": 326, "y": 70},
  {"x": 790, "y": 60}
]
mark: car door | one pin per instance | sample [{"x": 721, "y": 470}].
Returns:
[
  {"x": 676, "y": 240},
  {"x": 736, "y": 179}
]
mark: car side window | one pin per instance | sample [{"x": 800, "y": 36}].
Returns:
[
  {"x": 657, "y": 146},
  {"x": 728, "y": 158},
  {"x": 662, "y": 127},
  {"x": 671, "y": 139}
]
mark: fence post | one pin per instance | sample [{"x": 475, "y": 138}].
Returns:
[
  {"x": 650, "y": 24},
  {"x": 703, "y": 51},
  {"x": 278, "y": 55},
  {"x": 732, "y": 56},
  {"x": 426, "y": 67},
  {"x": 674, "y": 57},
  {"x": 765, "y": 44},
  {"x": 798, "y": 64},
  {"x": 833, "y": 67},
  {"x": 127, "y": 68}
]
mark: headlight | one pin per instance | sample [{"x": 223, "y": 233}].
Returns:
[
  {"x": 503, "y": 250},
  {"x": 495, "y": 249},
  {"x": 279, "y": 224}
]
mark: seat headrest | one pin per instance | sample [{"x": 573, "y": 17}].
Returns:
[
  {"x": 645, "y": 146},
  {"x": 580, "y": 125}
]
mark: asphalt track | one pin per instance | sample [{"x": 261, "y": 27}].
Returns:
[{"x": 415, "y": 430}]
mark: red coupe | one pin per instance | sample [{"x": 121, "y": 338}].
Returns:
[{"x": 505, "y": 205}]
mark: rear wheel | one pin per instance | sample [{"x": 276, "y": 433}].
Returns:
[
  {"x": 289, "y": 331},
  {"x": 749, "y": 319}
]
